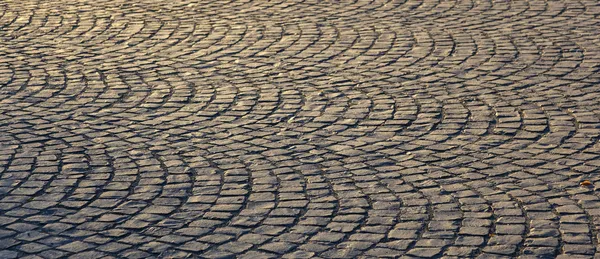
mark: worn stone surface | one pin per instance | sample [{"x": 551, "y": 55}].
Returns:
[{"x": 299, "y": 129}]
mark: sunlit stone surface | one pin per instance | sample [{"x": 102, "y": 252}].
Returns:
[{"x": 299, "y": 129}]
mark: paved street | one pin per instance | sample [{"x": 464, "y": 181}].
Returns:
[{"x": 299, "y": 129}]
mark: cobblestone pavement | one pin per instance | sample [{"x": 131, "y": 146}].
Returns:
[{"x": 299, "y": 129}]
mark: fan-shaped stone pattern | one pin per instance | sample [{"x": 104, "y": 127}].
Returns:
[{"x": 299, "y": 129}]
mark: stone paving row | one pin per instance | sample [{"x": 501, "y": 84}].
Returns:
[{"x": 299, "y": 129}]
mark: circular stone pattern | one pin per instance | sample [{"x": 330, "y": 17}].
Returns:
[{"x": 299, "y": 129}]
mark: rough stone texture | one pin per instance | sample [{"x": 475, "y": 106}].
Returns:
[{"x": 299, "y": 129}]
